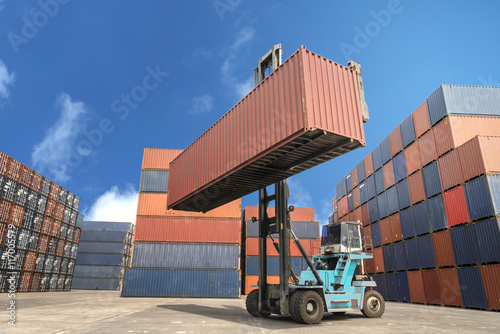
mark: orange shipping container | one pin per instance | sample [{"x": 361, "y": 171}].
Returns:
[
  {"x": 395, "y": 141},
  {"x": 369, "y": 266},
  {"x": 456, "y": 206},
  {"x": 450, "y": 171},
  {"x": 385, "y": 231},
  {"x": 311, "y": 246},
  {"x": 416, "y": 186},
  {"x": 443, "y": 249},
  {"x": 421, "y": 120},
  {"x": 151, "y": 204},
  {"x": 203, "y": 230},
  {"x": 355, "y": 197},
  {"x": 450, "y": 287},
  {"x": 454, "y": 131},
  {"x": 365, "y": 214},
  {"x": 367, "y": 232},
  {"x": 427, "y": 148},
  {"x": 388, "y": 171},
  {"x": 345, "y": 206},
  {"x": 368, "y": 165},
  {"x": 354, "y": 176},
  {"x": 356, "y": 215},
  {"x": 378, "y": 260},
  {"x": 254, "y": 280},
  {"x": 431, "y": 286},
  {"x": 158, "y": 158},
  {"x": 298, "y": 215},
  {"x": 412, "y": 158},
  {"x": 480, "y": 155},
  {"x": 490, "y": 274},
  {"x": 416, "y": 284},
  {"x": 395, "y": 223}
]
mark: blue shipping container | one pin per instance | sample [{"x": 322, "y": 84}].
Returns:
[
  {"x": 376, "y": 238},
  {"x": 88, "y": 283},
  {"x": 348, "y": 183},
  {"x": 252, "y": 265},
  {"x": 379, "y": 181},
  {"x": 373, "y": 209},
  {"x": 181, "y": 283},
  {"x": 392, "y": 287},
  {"x": 176, "y": 255},
  {"x": 383, "y": 206},
  {"x": 377, "y": 158},
  {"x": 392, "y": 200},
  {"x": 471, "y": 287},
  {"x": 483, "y": 197},
  {"x": 381, "y": 287},
  {"x": 407, "y": 223},
  {"x": 385, "y": 148},
  {"x": 400, "y": 256},
  {"x": 102, "y": 247},
  {"x": 100, "y": 259},
  {"x": 412, "y": 254},
  {"x": 403, "y": 287},
  {"x": 154, "y": 181},
  {"x": 389, "y": 258},
  {"x": 403, "y": 194},
  {"x": 426, "y": 252},
  {"x": 370, "y": 186},
  {"x": 421, "y": 218},
  {"x": 361, "y": 171},
  {"x": 463, "y": 100},
  {"x": 407, "y": 131},
  {"x": 488, "y": 240},
  {"x": 432, "y": 182},
  {"x": 464, "y": 242},
  {"x": 350, "y": 202},
  {"x": 303, "y": 230},
  {"x": 97, "y": 271},
  {"x": 437, "y": 213},
  {"x": 399, "y": 166},
  {"x": 363, "y": 192},
  {"x": 107, "y": 226}
]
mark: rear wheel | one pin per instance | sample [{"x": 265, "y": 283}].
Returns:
[
  {"x": 307, "y": 307},
  {"x": 252, "y": 304},
  {"x": 373, "y": 304}
]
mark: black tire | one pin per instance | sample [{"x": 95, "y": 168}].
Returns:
[
  {"x": 373, "y": 304},
  {"x": 252, "y": 303},
  {"x": 306, "y": 307}
]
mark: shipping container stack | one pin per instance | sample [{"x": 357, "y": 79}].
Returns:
[
  {"x": 302, "y": 223},
  {"x": 180, "y": 253},
  {"x": 38, "y": 234},
  {"x": 105, "y": 251},
  {"x": 429, "y": 197}
]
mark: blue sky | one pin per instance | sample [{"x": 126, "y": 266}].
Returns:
[{"x": 86, "y": 85}]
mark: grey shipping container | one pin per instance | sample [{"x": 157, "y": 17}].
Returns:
[
  {"x": 361, "y": 171},
  {"x": 107, "y": 226},
  {"x": 407, "y": 223},
  {"x": 412, "y": 254},
  {"x": 407, "y": 131},
  {"x": 389, "y": 258},
  {"x": 350, "y": 202},
  {"x": 483, "y": 197},
  {"x": 488, "y": 240},
  {"x": 379, "y": 181},
  {"x": 463, "y": 100},
  {"x": 303, "y": 230},
  {"x": 432, "y": 182},
  {"x": 88, "y": 283},
  {"x": 97, "y": 271},
  {"x": 181, "y": 283},
  {"x": 464, "y": 242},
  {"x": 383, "y": 207},
  {"x": 403, "y": 194},
  {"x": 102, "y": 247},
  {"x": 373, "y": 209},
  {"x": 377, "y": 158},
  {"x": 348, "y": 183},
  {"x": 399, "y": 167},
  {"x": 106, "y": 236},
  {"x": 341, "y": 188},
  {"x": 370, "y": 186},
  {"x": 363, "y": 192},
  {"x": 392, "y": 200},
  {"x": 471, "y": 287},
  {"x": 400, "y": 256},
  {"x": 437, "y": 213},
  {"x": 100, "y": 259},
  {"x": 376, "y": 238},
  {"x": 421, "y": 218},
  {"x": 252, "y": 265},
  {"x": 175, "y": 255},
  {"x": 426, "y": 252},
  {"x": 385, "y": 149},
  {"x": 154, "y": 181}
]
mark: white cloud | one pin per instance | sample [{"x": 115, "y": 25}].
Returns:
[
  {"x": 241, "y": 88},
  {"x": 115, "y": 205},
  {"x": 202, "y": 104},
  {"x": 53, "y": 153},
  {"x": 325, "y": 211},
  {"x": 299, "y": 196},
  {"x": 6, "y": 79}
]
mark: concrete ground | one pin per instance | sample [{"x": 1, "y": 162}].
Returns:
[{"x": 105, "y": 312}]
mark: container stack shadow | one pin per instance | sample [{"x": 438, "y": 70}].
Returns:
[{"x": 429, "y": 197}]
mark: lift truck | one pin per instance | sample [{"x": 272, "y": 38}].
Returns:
[{"x": 329, "y": 284}]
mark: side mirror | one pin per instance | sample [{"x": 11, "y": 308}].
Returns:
[
  {"x": 291, "y": 208},
  {"x": 254, "y": 219}
]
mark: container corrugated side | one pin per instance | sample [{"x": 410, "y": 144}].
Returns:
[
  {"x": 421, "y": 218},
  {"x": 377, "y": 157},
  {"x": 483, "y": 196},
  {"x": 431, "y": 287},
  {"x": 399, "y": 167},
  {"x": 97, "y": 271},
  {"x": 395, "y": 223},
  {"x": 106, "y": 236},
  {"x": 407, "y": 131},
  {"x": 354, "y": 177},
  {"x": 383, "y": 207},
  {"x": 385, "y": 231},
  {"x": 403, "y": 194},
  {"x": 389, "y": 258},
  {"x": 407, "y": 223},
  {"x": 102, "y": 247},
  {"x": 356, "y": 197},
  {"x": 412, "y": 254},
  {"x": 388, "y": 171},
  {"x": 443, "y": 249},
  {"x": 370, "y": 187},
  {"x": 376, "y": 238},
  {"x": 100, "y": 259},
  {"x": 374, "y": 210},
  {"x": 395, "y": 141},
  {"x": 488, "y": 240},
  {"x": 378, "y": 258},
  {"x": 177, "y": 255},
  {"x": 311, "y": 246},
  {"x": 463, "y": 100},
  {"x": 252, "y": 265},
  {"x": 361, "y": 171},
  {"x": 471, "y": 287},
  {"x": 316, "y": 126},
  {"x": 151, "y": 204},
  {"x": 456, "y": 206},
  {"x": 365, "y": 214},
  {"x": 416, "y": 284},
  {"x": 426, "y": 252},
  {"x": 306, "y": 230},
  {"x": 412, "y": 158},
  {"x": 479, "y": 156},
  {"x": 385, "y": 149},
  {"x": 198, "y": 230},
  {"x": 107, "y": 226},
  {"x": 89, "y": 283},
  {"x": 392, "y": 287},
  {"x": 421, "y": 120},
  {"x": 348, "y": 183},
  {"x": 400, "y": 256},
  {"x": 427, "y": 148},
  {"x": 416, "y": 187},
  {"x": 379, "y": 181},
  {"x": 490, "y": 275},
  {"x": 158, "y": 158},
  {"x": 403, "y": 287},
  {"x": 465, "y": 248},
  {"x": 450, "y": 171},
  {"x": 432, "y": 181},
  {"x": 392, "y": 200},
  {"x": 380, "y": 280},
  {"x": 299, "y": 214},
  {"x": 197, "y": 283},
  {"x": 450, "y": 287},
  {"x": 368, "y": 162},
  {"x": 437, "y": 213},
  {"x": 155, "y": 181}
]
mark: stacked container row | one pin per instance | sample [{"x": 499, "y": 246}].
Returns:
[
  {"x": 180, "y": 253},
  {"x": 105, "y": 250},
  {"x": 303, "y": 225},
  {"x": 38, "y": 234},
  {"x": 429, "y": 197}
]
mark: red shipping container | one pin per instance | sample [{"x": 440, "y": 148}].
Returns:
[
  {"x": 443, "y": 249},
  {"x": 60, "y": 247},
  {"x": 450, "y": 171},
  {"x": 491, "y": 283},
  {"x": 35, "y": 282},
  {"x": 385, "y": 231},
  {"x": 54, "y": 192},
  {"x": 416, "y": 284},
  {"x": 454, "y": 131},
  {"x": 254, "y": 280},
  {"x": 427, "y": 147},
  {"x": 56, "y": 228},
  {"x": 43, "y": 244},
  {"x": 421, "y": 120},
  {"x": 25, "y": 282},
  {"x": 368, "y": 165},
  {"x": 395, "y": 223},
  {"x": 51, "y": 206},
  {"x": 365, "y": 214},
  {"x": 5, "y": 208},
  {"x": 36, "y": 182},
  {"x": 378, "y": 260},
  {"x": 297, "y": 105},
  {"x": 26, "y": 176},
  {"x": 4, "y": 229},
  {"x": 354, "y": 177},
  {"x": 416, "y": 186},
  {"x": 203, "y": 230},
  {"x": 298, "y": 215},
  {"x": 369, "y": 266},
  {"x": 59, "y": 212},
  {"x": 480, "y": 156},
  {"x": 339, "y": 209},
  {"x": 344, "y": 205},
  {"x": 4, "y": 162},
  {"x": 16, "y": 215},
  {"x": 412, "y": 158},
  {"x": 388, "y": 171},
  {"x": 14, "y": 169},
  {"x": 431, "y": 286},
  {"x": 356, "y": 215},
  {"x": 395, "y": 141},
  {"x": 456, "y": 206},
  {"x": 47, "y": 225},
  {"x": 29, "y": 261},
  {"x": 367, "y": 233},
  {"x": 450, "y": 287},
  {"x": 311, "y": 246},
  {"x": 355, "y": 197},
  {"x": 158, "y": 158},
  {"x": 78, "y": 233}
]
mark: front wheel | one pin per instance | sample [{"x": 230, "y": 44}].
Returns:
[
  {"x": 373, "y": 304},
  {"x": 306, "y": 307},
  {"x": 252, "y": 304}
]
